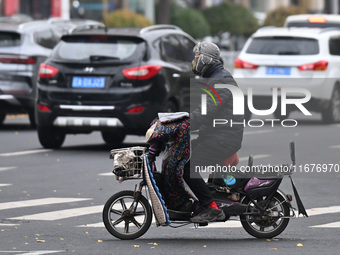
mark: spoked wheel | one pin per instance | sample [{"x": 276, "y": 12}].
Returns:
[
  {"x": 125, "y": 219},
  {"x": 269, "y": 225}
]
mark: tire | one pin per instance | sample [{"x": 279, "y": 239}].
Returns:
[
  {"x": 50, "y": 138},
  {"x": 115, "y": 137},
  {"x": 270, "y": 227},
  {"x": 332, "y": 113},
  {"x": 118, "y": 219}
]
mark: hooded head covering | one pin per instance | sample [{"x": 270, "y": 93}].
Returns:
[{"x": 209, "y": 53}]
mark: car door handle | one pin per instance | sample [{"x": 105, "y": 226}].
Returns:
[{"x": 176, "y": 75}]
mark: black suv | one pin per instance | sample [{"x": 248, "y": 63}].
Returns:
[
  {"x": 23, "y": 47},
  {"x": 112, "y": 80}
]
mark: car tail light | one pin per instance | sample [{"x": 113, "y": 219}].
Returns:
[
  {"x": 46, "y": 71},
  {"x": 142, "y": 72},
  {"x": 43, "y": 108},
  {"x": 318, "y": 66},
  {"x": 137, "y": 109},
  {"x": 8, "y": 59},
  {"x": 239, "y": 63}
]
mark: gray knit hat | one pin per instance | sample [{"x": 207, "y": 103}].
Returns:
[{"x": 209, "y": 54}]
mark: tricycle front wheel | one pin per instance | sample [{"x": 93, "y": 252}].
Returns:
[{"x": 124, "y": 219}]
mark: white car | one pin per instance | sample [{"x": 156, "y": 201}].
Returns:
[{"x": 291, "y": 58}]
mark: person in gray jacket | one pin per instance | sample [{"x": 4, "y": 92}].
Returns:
[{"x": 214, "y": 144}]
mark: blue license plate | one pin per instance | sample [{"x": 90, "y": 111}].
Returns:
[
  {"x": 88, "y": 82},
  {"x": 277, "y": 70}
]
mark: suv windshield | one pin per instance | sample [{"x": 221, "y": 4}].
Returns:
[
  {"x": 9, "y": 39},
  {"x": 283, "y": 46},
  {"x": 98, "y": 48}
]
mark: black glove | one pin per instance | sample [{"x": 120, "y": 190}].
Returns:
[{"x": 151, "y": 158}]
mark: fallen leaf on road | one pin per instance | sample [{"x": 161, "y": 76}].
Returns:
[
  {"x": 100, "y": 241},
  {"x": 299, "y": 245},
  {"x": 136, "y": 246},
  {"x": 41, "y": 241}
]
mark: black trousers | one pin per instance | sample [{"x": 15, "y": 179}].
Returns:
[
  {"x": 197, "y": 185},
  {"x": 204, "y": 154}
]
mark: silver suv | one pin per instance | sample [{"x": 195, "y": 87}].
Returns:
[
  {"x": 307, "y": 58},
  {"x": 22, "y": 48}
]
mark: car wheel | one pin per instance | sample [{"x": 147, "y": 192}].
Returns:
[
  {"x": 50, "y": 138},
  {"x": 2, "y": 117},
  {"x": 113, "y": 137},
  {"x": 332, "y": 113},
  {"x": 170, "y": 107}
]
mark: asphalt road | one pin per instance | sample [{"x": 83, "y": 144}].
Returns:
[{"x": 51, "y": 200}]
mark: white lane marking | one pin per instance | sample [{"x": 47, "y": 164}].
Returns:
[
  {"x": 30, "y": 252},
  {"x": 5, "y": 184},
  {"x": 258, "y": 132},
  {"x": 40, "y": 252},
  {"x": 227, "y": 224},
  {"x": 94, "y": 225},
  {"x": 335, "y": 147},
  {"x": 38, "y": 202},
  {"x": 62, "y": 214},
  {"x": 20, "y": 153},
  {"x": 323, "y": 210},
  {"x": 106, "y": 174},
  {"x": 329, "y": 225},
  {"x": 7, "y": 168},
  {"x": 255, "y": 157},
  {"x": 8, "y": 224}
]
